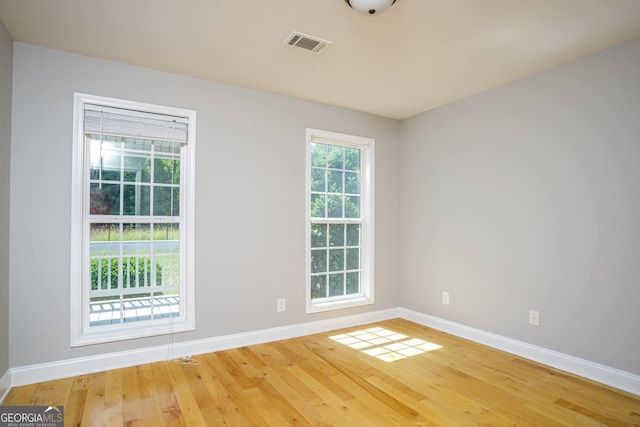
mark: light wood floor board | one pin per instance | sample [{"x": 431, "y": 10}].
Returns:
[{"x": 391, "y": 373}]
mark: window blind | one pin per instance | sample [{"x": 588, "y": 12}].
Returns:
[{"x": 102, "y": 120}]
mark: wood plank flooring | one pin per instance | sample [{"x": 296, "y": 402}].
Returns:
[{"x": 392, "y": 373}]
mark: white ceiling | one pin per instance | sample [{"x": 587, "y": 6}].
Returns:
[{"x": 418, "y": 55}]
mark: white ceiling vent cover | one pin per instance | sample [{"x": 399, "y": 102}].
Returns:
[{"x": 306, "y": 42}]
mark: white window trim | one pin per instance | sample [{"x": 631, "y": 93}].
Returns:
[
  {"x": 81, "y": 334},
  {"x": 367, "y": 145}
]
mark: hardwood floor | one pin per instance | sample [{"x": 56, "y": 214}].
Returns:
[{"x": 430, "y": 378}]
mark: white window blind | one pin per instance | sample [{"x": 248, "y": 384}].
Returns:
[{"x": 102, "y": 120}]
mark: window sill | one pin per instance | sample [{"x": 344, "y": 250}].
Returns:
[
  {"x": 331, "y": 305},
  {"x": 127, "y": 331}
]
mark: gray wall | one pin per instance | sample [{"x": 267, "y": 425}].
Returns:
[
  {"x": 527, "y": 196},
  {"x": 522, "y": 197},
  {"x": 6, "y": 70},
  {"x": 250, "y": 199}
]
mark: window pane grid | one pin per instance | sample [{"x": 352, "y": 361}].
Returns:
[
  {"x": 335, "y": 190},
  {"x": 135, "y": 269},
  {"x": 335, "y": 181},
  {"x": 133, "y": 182},
  {"x": 133, "y": 265},
  {"x": 335, "y": 260}
]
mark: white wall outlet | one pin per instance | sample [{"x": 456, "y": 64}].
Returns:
[
  {"x": 534, "y": 317},
  {"x": 445, "y": 297},
  {"x": 282, "y": 304}
]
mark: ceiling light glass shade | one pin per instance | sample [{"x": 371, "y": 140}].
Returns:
[{"x": 370, "y": 7}]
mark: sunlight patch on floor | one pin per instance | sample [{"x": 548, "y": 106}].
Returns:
[{"x": 385, "y": 344}]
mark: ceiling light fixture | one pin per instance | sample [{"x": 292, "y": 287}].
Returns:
[{"x": 370, "y": 7}]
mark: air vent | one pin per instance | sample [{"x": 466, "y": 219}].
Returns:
[{"x": 306, "y": 42}]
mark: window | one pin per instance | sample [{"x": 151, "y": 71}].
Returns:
[
  {"x": 339, "y": 220},
  {"x": 132, "y": 220}
]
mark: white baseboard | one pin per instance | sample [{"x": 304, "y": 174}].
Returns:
[
  {"x": 86, "y": 365},
  {"x": 102, "y": 362},
  {"x": 603, "y": 374},
  {"x": 5, "y": 385}
]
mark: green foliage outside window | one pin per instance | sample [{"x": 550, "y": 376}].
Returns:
[
  {"x": 335, "y": 181},
  {"x": 335, "y": 193},
  {"x": 136, "y": 273}
]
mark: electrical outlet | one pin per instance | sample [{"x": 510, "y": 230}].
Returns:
[
  {"x": 534, "y": 317},
  {"x": 282, "y": 304},
  {"x": 445, "y": 297}
]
